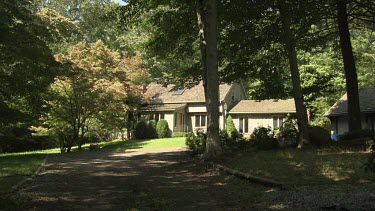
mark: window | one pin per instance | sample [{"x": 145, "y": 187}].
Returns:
[
  {"x": 243, "y": 126},
  {"x": 200, "y": 120},
  {"x": 162, "y": 116},
  {"x": 240, "y": 129},
  {"x": 246, "y": 125},
  {"x": 277, "y": 122}
]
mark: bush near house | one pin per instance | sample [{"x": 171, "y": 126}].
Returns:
[
  {"x": 263, "y": 138},
  {"x": 231, "y": 129},
  {"x": 151, "y": 129},
  {"x": 319, "y": 136},
  {"x": 196, "y": 142},
  {"x": 162, "y": 128},
  {"x": 357, "y": 135},
  {"x": 140, "y": 130}
]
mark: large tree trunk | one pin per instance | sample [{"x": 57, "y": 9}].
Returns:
[
  {"x": 349, "y": 67},
  {"x": 207, "y": 21},
  {"x": 290, "y": 45}
]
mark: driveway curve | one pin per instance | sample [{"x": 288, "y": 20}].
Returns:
[{"x": 137, "y": 179}]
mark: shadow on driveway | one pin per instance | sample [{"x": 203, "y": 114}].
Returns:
[{"x": 145, "y": 179}]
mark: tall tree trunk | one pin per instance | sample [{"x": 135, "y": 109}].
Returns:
[
  {"x": 349, "y": 67},
  {"x": 211, "y": 77},
  {"x": 290, "y": 45}
]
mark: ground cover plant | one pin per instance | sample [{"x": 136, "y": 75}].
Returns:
[
  {"x": 15, "y": 166},
  {"x": 304, "y": 167}
]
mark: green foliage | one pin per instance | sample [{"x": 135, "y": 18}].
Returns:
[
  {"x": 179, "y": 134},
  {"x": 231, "y": 129},
  {"x": 288, "y": 133},
  {"x": 140, "y": 131},
  {"x": 196, "y": 142},
  {"x": 15, "y": 144},
  {"x": 356, "y": 135},
  {"x": 319, "y": 136},
  {"x": 162, "y": 129},
  {"x": 151, "y": 129},
  {"x": 27, "y": 65},
  {"x": 263, "y": 138}
]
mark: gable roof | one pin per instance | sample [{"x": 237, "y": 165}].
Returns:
[
  {"x": 161, "y": 94},
  {"x": 264, "y": 106},
  {"x": 366, "y": 103}
]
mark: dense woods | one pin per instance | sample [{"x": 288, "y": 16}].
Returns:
[{"x": 75, "y": 70}]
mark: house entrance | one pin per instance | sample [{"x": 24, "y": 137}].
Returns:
[{"x": 179, "y": 122}]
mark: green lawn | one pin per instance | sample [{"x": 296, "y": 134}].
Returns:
[
  {"x": 304, "y": 166},
  {"x": 149, "y": 143},
  {"x": 16, "y": 166}
]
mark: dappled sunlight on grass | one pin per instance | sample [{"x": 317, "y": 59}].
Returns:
[{"x": 303, "y": 167}]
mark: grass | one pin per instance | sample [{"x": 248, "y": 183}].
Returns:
[
  {"x": 304, "y": 166},
  {"x": 16, "y": 166},
  {"x": 149, "y": 143}
]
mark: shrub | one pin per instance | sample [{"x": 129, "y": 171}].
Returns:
[
  {"x": 356, "y": 135},
  {"x": 162, "y": 128},
  {"x": 16, "y": 144},
  {"x": 231, "y": 129},
  {"x": 196, "y": 142},
  {"x": 263, "y": 138},
  {"x": 179, "y": 134},
  {"x": 319, "y": 136},
  {"x": 140, "y": 130},
  {"x": 151, "y": 129}
]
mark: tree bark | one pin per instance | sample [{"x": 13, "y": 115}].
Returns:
[
  {"x": 207, "y": 23},
  {"x": 354, "y": 111},
  {"x": 290, "y": 45}
]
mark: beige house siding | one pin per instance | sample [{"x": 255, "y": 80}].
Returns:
[
  {"x": 255, "y": 121},
  {"x": 339, "y": 124}
]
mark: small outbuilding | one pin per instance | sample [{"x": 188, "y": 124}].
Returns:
[
  {"x": 338, "y": 113},
  {"x": 250, "y": 114}
]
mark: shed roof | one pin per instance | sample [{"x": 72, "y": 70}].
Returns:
[
  {"x": 162, "y": 94},
  {"x": 366, "y": 103},
  {"x": 264, "y": 106}
]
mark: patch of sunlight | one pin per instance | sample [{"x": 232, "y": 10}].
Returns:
[
  {"x": 271, "y": 190},
  {"x": 278, "y": 207},
  {"x": 335, "y": 174}
]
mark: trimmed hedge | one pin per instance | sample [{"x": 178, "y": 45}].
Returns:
[
  {"x": 151, "y": 129},
  {"x": 140, "y": 130},
  {"x": 231, "y": 128},
  {"x": 162, "y": 128}
]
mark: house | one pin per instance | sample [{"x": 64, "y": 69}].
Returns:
[
  {"x": 338, "y": 113},
  {"x": 250, "y": 114},
  {"x": 185, "y": 109}
]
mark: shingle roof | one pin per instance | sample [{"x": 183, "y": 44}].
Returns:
[
  {"x": 264, "y": 106},
  {"x": 162, "y": 94},
  {"x": 164, "y": 107},
  {"x": 366, "y": 103}
]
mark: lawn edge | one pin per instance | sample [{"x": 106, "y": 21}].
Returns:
[
  {"x": 15, "y": 187},
  {"x": 250, "y": 178}
]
